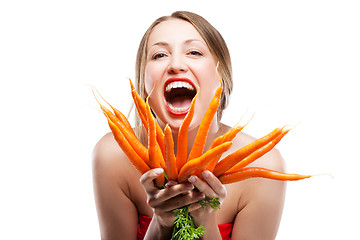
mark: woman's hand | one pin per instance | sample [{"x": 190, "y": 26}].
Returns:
[
  {"x": 212, "y": 188},
  {"x": 164, "y": 201}
]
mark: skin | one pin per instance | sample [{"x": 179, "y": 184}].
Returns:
[
  {"x": 179, "y": 53},
  {"x": 254, "y": 206}
]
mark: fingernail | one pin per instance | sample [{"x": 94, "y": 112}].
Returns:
[
  {"x": 205, "y": 174},
  {"x": 200, "y": 196},
  {"x": 192, "y": 179},
  {"x": 170, "y": 183},
  {"x": 158, "y": 171}
]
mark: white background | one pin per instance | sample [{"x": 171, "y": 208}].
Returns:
[{"x": 293, "y": 61}]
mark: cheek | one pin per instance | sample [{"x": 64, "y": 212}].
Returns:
[
  {"x": 153, "y": 73},
  {"x": 205, "y": 72},
  {"x": 149, "y": 79},
  {"x": 209, "y": 82}
]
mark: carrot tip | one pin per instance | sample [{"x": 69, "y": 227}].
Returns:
[
  {"x": 97, "y": 100},
  {"x": 247, "y": 122},
  {"x": 322, "y": 174},
  {"x": 218, "y": 74},
  {"x": 291, "y": 127},
  {"x": 88, "y": 85},
  {"x": 151, "y": 91}
]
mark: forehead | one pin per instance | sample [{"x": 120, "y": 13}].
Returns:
[{"x": 173, "y": 30}]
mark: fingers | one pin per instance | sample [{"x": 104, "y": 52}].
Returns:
[
  {"x": 174, "y": 196},
  {"x": 214, "y": 183},
  {"x": 211, "y": 186},
  {"x": 187, "y": 199},
  {"x": 195, "y": 206},
  {"x": 177, "y": 195},
  {"x": 148, "y": 177},
  {"x": 175, "y": 190},
  {"x": 170, "y": 183}
]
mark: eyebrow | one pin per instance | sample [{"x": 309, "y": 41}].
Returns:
[
  {"x": 194, "y": 40},
  {"x": 186, "y": 42},
  {"x": 160, "y": 44}
]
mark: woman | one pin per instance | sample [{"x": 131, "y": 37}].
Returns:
[{"x": 177, "y": 58}]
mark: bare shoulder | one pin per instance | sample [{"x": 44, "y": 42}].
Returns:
[
  {"x": 261, "y": 200},
  {"x": 112, "y": 173},
  {"x": 272, "y": 160},
  {"x": 109, "y": 159}
]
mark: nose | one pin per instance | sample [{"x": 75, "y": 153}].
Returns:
[{"x": 177, "y": 65}]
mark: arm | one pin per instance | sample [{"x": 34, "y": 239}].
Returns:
[
  {"x": 117, "y": 214},
  {"x": 261, "y": 205}
]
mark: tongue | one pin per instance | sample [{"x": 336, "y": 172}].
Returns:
[{"x": 181, "y": 101}]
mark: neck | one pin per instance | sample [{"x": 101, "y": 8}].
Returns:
[{"x": 212, "y": 134}]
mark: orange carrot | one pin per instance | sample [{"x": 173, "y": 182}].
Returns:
[
  {"x": 200, "y": 138},
  {"x": 181, "y": 154},
  {"x": 139, "y": 104},
  {"x": 138, "y": 163},
  {"x": 123, "y": 119},
  {"x": 128, "y": 133},
  {"x": 256, "y": 172},
  {"x": 197, "y": 165},
  {"x": 229, "y": 136},
  {"x": 232, "y": 159},
  {"x": 132, "y": 139},
  {"x": 258, "y": 153},
  {"x": 170, "y": 160},
  {"x": 141, "y": 108},
  {"x": 155, "y": 155},
  {"x": 118, "y": 114}
]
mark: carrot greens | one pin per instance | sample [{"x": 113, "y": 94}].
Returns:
[{"x": 184, "y": 225}]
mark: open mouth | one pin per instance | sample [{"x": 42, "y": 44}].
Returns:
[{"x": 178, "y": 95}]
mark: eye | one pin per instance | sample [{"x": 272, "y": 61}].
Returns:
[
  {"x": 195, "y": 53},
  {"x": 158, "y": 55}
]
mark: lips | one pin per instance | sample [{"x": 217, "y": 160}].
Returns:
[{"x": 178, "y": 93}]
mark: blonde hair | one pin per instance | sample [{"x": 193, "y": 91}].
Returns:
[{"x": 216, "y": 45}]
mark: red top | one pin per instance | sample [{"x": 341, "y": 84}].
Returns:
[{"x": 144, "y": 221}]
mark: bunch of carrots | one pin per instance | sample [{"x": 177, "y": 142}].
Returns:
[{"x": 179, "y": 167}]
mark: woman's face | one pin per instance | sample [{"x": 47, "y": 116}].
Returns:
[{"x": 178, "y": 65}]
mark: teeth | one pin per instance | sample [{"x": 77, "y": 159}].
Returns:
[
  {"x": 179, "y": 84},
  {"x": 177, "y": 109}
]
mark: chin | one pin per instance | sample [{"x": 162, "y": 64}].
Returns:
[{"x": 173, "y": 122}]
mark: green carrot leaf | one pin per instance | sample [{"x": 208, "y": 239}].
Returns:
[{"x": 184, "y": 225}]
